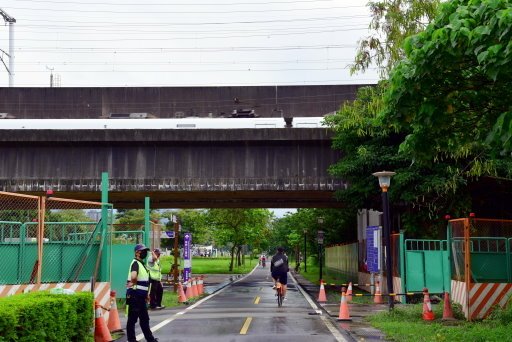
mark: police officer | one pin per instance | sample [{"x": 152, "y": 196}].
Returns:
[
  {"x": 137, "y": 296},
  {"x": 155, "y": 279}
]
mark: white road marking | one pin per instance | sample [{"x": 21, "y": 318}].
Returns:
[{"x": 328, "y": 323}]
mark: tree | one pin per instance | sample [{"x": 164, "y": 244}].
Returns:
[
  {"x": 420, "y": 195},
  {"x": 238, "y": 227},
  {"x": 453, "y": 89},
  {"x": 392, "y": 22}
]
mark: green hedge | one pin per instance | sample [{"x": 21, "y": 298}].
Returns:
[{"x": 41, "y": 316}]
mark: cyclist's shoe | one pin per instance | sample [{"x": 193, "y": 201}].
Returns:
[{"x": 274, "y": 287}]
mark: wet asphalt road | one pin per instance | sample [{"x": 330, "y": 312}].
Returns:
[{"x": 246, "y": 310}]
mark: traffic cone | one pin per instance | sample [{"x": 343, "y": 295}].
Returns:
[
  {"x": 321, "y": 295},
  {"x": 101, "y": 333},
  {"x": 349, "y": 292},
  {"x": 194, "y": 288},
  {"x": 428, "y": 314},
  {"x": 181, "y": 294},
  {"x": 344, "y": 315},
  {"x": 378, "y": 296},
  {"x": 447, "y": 310},
  {"x": 200, "y": 287},
  {"x": 189, "y": 293},
  {"x": 114, "y": 325}
]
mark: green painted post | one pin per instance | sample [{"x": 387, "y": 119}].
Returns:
[
  {"x": 448, "y": 282},
  {"x": 147, "y": 225},
  {"x": 105, "y": 253},
  {"x": 402, "y": 266},
  {"x": 21, "y": 256}
]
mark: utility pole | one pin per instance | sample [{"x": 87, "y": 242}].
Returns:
[
  {"x": 51, "y": 76},
  {"x": 10, "y": 69}
]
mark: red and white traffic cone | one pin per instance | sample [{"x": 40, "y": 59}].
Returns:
[{"x": 428, "y": 314}]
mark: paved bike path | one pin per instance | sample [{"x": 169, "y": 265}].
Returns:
[{"x": 246, "y": 310}]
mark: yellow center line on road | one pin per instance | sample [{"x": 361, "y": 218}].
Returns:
[
  {"x": 245, "y": 327},
  {"x": 257, "y": 300}
]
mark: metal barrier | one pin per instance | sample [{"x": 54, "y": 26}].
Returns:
[{"x": 52, "y": 239}]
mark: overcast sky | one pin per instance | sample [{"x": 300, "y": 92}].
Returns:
[{"x": 184, "y": 42}]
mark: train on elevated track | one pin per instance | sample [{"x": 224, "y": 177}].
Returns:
[{"x": 184, "y": 123}]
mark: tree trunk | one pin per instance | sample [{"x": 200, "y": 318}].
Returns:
[
  {"x": 238, "y": 256},
  {"x": 232, "y": 259}
]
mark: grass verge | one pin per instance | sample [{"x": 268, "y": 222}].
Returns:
[
  {"x": 406, "y": 324},
  {"x": 210, "y": 265}
]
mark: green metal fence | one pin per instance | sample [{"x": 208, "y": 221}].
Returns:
[{"x": 427, "y": 265}]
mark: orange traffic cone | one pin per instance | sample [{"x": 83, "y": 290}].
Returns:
[
  {"x": 447, "y": 310},
  {"x": 101, "y": 333},
  {"x": 188, "y": 291},
  {"x": 200, "y": 287},
  {"x": 194, "y": 288},
  {"x": 344, "y": 315},
  {"x": 378, "y": 296},
  {"x": 428, "y": 314},
  {"x": 321, "y": 295},
  {"x": 349, "y": 292},
  {"x": 114, "y": 325},
  {"x": 181, "y": 294}
]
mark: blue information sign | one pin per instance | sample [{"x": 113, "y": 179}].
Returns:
[
  {"x": 187, "y": 258},
  {"x": 373, "y": 248}
]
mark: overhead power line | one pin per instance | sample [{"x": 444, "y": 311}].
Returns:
[
  {"x": 96, "y": 11},
  {"x": 106, "y": 3},
  {"x": 278, "y": 33}
]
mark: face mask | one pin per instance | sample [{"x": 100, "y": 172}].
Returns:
[{"x": 143, "y": 254}]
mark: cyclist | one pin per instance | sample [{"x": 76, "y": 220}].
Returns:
[{"x": 279, "y": 268}]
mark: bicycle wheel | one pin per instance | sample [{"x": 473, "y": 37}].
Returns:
[{"x": 279, "y": 297}]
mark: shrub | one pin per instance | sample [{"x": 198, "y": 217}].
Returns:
[{"x": 41, "y": 316}]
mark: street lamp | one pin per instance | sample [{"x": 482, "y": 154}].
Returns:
[
  {"x": 320, "y": 240},
  {"x": 384, "y": 183},
  {"x": 305, "y": 256}
]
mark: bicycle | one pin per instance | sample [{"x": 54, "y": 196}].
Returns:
[{"x": 279, "y": 293}]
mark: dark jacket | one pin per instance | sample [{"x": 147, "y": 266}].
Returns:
[{"x": 279, "y": 263}]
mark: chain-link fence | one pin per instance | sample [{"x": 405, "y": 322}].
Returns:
[
  {"x": 155, "y": 235},
  {"x": 51, "y": 239},
  {"x": 459, "y": 228},
  {"x": 73, "y": 239},
  {"x": 482, "y": 247},
  {"x": 18, "y": 241}
]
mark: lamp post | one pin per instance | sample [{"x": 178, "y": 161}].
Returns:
[
  {"x": 305, "y": 256},
  {"x": 384, "y": 183},
  {"x": 320, "y": 240}
]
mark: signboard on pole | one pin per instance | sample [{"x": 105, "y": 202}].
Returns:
[
  {"x": 167, "y": 235},
  {"x": 373, "y": 248},
  {"x": 320, "y": 237},
  {"x": 187, "y": 257}
]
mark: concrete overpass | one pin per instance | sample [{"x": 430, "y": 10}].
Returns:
[{"x": 196, "y": 168}]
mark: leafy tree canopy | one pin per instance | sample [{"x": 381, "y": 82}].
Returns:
[
  {"x": 392, "y": 22},
  {"x": 452, "y": 92}
]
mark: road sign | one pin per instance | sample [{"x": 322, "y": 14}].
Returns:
[
  {"x": 373, "y": 248},
  {"x": 187, "y": 257},
  {"x": 167, "y": 235},
  {"x": 320, "y": 237}
]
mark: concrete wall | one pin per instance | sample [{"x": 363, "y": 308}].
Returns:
[{"x": 170, "y": 102}]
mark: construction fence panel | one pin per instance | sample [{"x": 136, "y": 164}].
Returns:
[
  {"x": 343, "y": 259},
  {"x": 73, "y": 240},
  {"x": 18, "y": 242},
  {"x": 427, "y": 265},
  {"x": 457, "y": 249},
  {"x": 490, "y": 250},
  {"x": 124, "y": 239}
]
